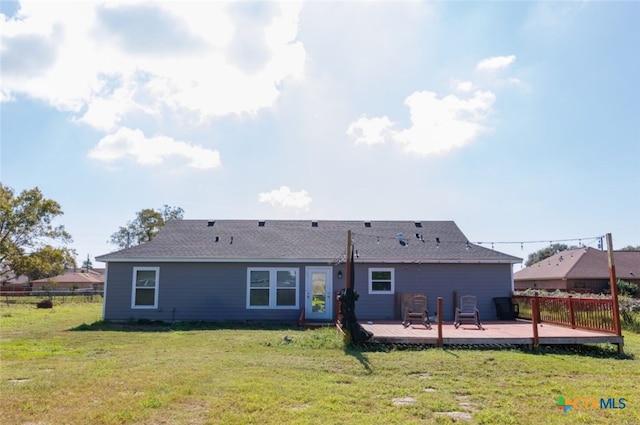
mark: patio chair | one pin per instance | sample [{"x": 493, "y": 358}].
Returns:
[
  {"x": 467, "y": 312},
  {"x": 505, "y": 309},
  {"x": 416, "y": 309}
]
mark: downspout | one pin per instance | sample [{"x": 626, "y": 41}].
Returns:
[
  {"x": 513, "y": 285},
  {"x": 104, "y": 291}
]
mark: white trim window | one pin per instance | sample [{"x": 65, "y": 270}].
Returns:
[
  {"x": 144, "y": 288},
  {"x": 381, "y": 281},
  {"x": 275, "y": 288}
]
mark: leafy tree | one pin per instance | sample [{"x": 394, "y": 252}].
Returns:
[
  {"x": 547, "y": 252},
  {"x": 631, "y": 248},
  {"x": 27, "y": 235},
  {"x": 145, "y": 226},
  {"x": 44, "y": 263}
]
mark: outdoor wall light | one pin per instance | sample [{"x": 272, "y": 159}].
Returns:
[{"x": 339, "y": 274}]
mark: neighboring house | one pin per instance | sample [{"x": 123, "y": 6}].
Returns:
[
  {"x": 281, "y": 269},
  {"x": 9, "y": 282},
  {"x": 580, "y": 270},
  {"x": 76, "y": 279}
]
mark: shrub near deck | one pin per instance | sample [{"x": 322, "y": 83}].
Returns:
[{"x": 191, "y": 374}]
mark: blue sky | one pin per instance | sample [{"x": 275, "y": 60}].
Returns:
[{"x": 517, "y": 120}]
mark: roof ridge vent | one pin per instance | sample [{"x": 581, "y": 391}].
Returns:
[
  {"x": 314, "y": 224},
  {"x": 417, "y": 224},
  {"x": 261, "y": 224},
  {"x": 367, "y": 224},
  {"x": 210, "y": 223}
]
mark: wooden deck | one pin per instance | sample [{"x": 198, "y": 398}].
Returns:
[{"x": 517, "y": 332}]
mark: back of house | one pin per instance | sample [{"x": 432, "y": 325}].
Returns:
[{"x": 284, "y": 270}]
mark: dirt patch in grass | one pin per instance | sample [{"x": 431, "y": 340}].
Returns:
[
  {"x": 18, "y": 380},
  {"x": 465, "y": 403},
  {"x": 403, "y": 401},
  {"x": 192, "y": 412},
  {"x": 456, "y": 416}
]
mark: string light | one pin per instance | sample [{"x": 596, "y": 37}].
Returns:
[
  {"x": 438, "y": 241},
  {"x": 468, "y": 244},
  {"x": 399, "y": 238}
]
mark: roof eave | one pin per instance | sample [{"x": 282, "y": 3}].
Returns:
[{"x": 308, "y": 260}]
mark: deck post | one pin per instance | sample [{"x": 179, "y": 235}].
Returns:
[
  {"x": 535, "y": 311},
  {"x": 572, "y": 315},
  {"x": 439, "y": 316},
  {"x": 614, "y": 287},
  {"x": 455, "y": 302},
  {"x": 347, "y": 272}
]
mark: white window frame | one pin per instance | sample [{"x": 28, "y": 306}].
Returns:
[
  {"x": 382, "y": 269},
  {"x": 156, "y": 287},
  {"x": 273, "y": 289}
]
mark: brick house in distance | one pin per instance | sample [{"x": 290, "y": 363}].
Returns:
[
  {"x": 73, "y": 279},
  {"x": 578, "y": 270}
]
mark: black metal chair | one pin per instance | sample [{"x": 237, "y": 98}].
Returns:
[{"x": 506, "y": 309}]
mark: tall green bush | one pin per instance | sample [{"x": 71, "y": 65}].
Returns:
[{"x": 626, "y": 289}]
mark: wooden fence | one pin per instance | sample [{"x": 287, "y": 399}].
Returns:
[{"x": 595, "y": 314}]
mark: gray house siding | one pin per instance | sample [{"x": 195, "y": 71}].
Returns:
[
  {"x": 485, "y": 281},
  {"x": 218, "y": 291},
  {"x": 195, "y": 291}
]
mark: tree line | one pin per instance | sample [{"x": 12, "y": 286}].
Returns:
[{"x": 31, "y": 245}]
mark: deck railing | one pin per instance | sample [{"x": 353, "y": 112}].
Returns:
[{"x": 595, "y": 314}]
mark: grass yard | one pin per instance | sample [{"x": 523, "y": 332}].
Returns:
[{"x": 64, "y": 366}]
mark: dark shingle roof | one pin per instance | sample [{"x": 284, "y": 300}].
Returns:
[
  {"x": 302, "y": 240},
  {"x": 582, "y": 263}
]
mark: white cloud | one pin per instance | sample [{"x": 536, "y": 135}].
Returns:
[
  {"x": 462, "y": 86},
  {"x": 106, "y": 112},
  {"x": 438, "y": 125},
  {"x": 152, "y": 151},
  {"x": 370, "y": 131},
  {"x": 285, "y": 198},
  {"x": 163, "y": 56},
  {"x": 495, "y": 63}
]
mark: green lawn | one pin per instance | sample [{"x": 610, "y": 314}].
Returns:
[{"x": 63, "y": 366}]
